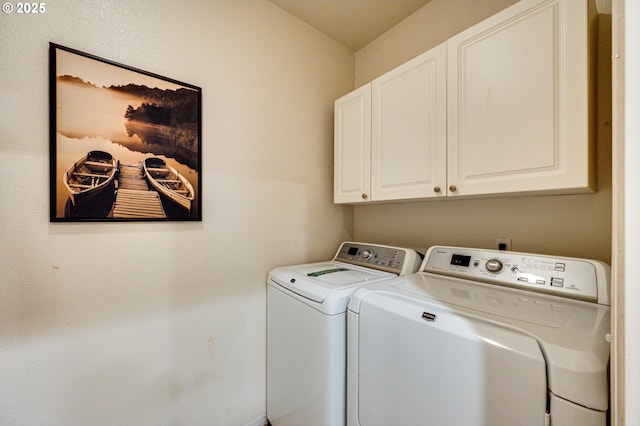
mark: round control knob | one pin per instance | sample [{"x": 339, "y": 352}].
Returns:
[
  {"x": 493, "y": 265},
  {"x": 366, "y": 254}
]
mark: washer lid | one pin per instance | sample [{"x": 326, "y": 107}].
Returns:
[
  {"x": 315, "y": 281},
  {"x": 443, "y": 367},
  {"x": 571, "y": 333}
]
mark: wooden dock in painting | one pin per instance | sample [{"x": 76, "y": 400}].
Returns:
[{"x": 134, "y": 199}]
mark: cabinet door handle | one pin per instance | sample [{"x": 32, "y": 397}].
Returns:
[
  {"x": 453, "y": 188},
  {"x": 436, "y": 189},
  {"x": 364, "y": 196}
]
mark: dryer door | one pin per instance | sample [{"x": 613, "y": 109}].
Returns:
[{"x": 423, "y": 364}]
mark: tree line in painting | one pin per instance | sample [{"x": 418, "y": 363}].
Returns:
[{"x": 175, "y": 109}]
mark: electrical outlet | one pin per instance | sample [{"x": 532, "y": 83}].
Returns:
[{"x": 503, "y": 244}]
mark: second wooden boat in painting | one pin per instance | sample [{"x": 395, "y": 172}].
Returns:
[
  {"x": 169, "y": 182},
  {"x": 90, "y": 175}
]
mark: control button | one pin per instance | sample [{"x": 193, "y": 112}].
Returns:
[
  {"x": 476, "y": 263},
  {"x": 493, "y": 265},
  {"x": 557, "y": 282},
  {"x": 540, "y": 282},
  {"x": 367, "y": 254},
  {"x": 523, "y": 279},
  {"x": 559, "y": 267},
  {"x": 514, "y": 269}
]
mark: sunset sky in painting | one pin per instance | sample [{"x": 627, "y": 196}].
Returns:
[{"x": 103, "y": 74}]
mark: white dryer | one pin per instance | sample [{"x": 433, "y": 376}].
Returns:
[
  {"x": 482, "y": 338},
  {"x": 306, "y": 330}
]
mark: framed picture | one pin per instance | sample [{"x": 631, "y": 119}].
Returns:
[{"x": 125, "y": 143}]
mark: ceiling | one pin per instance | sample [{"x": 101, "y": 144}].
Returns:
[
  {"x": 356, "y": 23},
  {"x": 353, "y": 23}
]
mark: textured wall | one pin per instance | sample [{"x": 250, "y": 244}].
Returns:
[{"x": 164, "y": 323}]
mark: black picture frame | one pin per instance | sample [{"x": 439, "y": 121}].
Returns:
[{"x": 125, "y": 144}]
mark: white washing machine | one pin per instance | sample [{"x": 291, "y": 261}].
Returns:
[
  {"x": 482, "y": 338},
  {"x": 306, "y": 330}
]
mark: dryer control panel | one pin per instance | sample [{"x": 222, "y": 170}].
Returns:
[
  {"x": 398, "y": 260},
  {"x": 562, "y": 276}
]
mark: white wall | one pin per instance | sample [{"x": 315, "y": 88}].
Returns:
[
  {"x": 626, "y": 14},
  {"x": 164, "y": 323},
  {"x": 572, "y": 225},
  {"x": 631, "y": 189}
]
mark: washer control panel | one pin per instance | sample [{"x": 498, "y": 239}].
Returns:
[
  {"x": 398, "y": 260},
  {"x": 561, "y": 276}
]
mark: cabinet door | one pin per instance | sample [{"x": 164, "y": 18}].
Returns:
[
  {"x": 408, "y": 140},
  {"x": 352, "y": 147},
  {"x": 518, "y": 87}
]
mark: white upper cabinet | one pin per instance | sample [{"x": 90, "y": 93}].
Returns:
[
  {"x": 390, "y": 135},
  {"x": 352, "y": 146},
  {"x": 505, "y": 107},
  {"x": 519, "y": 101},
  {"x": 409, "y": 129}
]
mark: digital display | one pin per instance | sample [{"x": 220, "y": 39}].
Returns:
[
  {"x": 352, "y": 251},
  {"x": 460, "y": 260}
]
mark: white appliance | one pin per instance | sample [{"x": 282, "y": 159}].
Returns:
[
  {"x": 306, "y": 330},
  {"x": 481, "y": 337}
]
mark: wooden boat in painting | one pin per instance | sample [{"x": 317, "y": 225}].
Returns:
[
  {"x": 169, "y": 182},
  {"x": 90, "y": 175}
]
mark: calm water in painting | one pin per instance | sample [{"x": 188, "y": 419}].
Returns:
[{"x": 91, "y": 118}]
